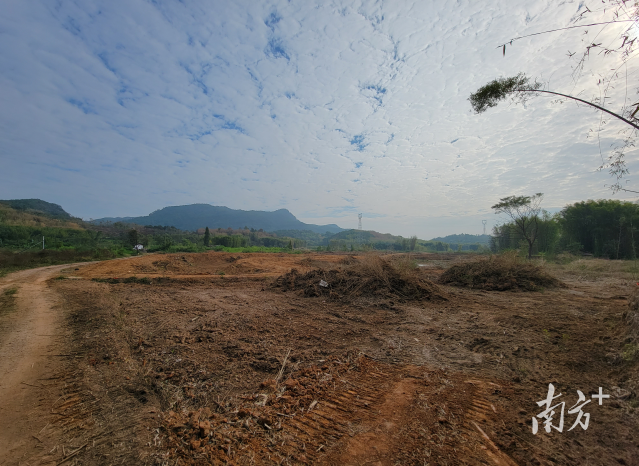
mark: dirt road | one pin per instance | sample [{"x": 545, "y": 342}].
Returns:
[{"x": 30, "y": 337}]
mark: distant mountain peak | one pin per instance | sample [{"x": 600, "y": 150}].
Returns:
[{"x": 194, "y": 216}]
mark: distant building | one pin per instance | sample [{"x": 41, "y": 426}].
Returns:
[{"x": 138, "y": 247}]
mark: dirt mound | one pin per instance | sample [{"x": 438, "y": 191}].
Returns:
[
  {"x": 208, "y": 263},
  {"x": 370, "y": 277},
  {"x": 499, "y": 273}
]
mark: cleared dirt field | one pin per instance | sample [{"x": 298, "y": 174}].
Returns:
[{"x": 211, "y": 359}]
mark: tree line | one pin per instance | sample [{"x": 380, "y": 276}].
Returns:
[{"x": 602, "y": 228}]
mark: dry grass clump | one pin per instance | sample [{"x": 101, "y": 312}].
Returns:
[
  {"x": 499, "y": 273},
  {"x": 370, "y": 276}
]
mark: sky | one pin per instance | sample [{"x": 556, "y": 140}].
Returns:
[{"x": 327, "y": 109}]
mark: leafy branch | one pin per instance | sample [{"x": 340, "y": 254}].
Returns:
[{"x": 517, "y": 86}]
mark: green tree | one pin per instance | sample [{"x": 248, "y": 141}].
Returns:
[
  {"x": 132, "y": 236},
  {"x": 549, "y": 233},
  {"x": 524, "y": 213},
  {"x": 520, "y": 88},
  {"x": 508, "y": 236},
  {"x": 162, "y": 242},
  {"x": 412, "y": 243},
  {"x": 207, "y": 237},
  {"x": 604, "y": 228}
]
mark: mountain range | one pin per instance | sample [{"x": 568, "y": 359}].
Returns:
[{"x": 194, "y": 216}]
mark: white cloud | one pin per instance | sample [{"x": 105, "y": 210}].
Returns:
[{"x": 120, "y": 108}]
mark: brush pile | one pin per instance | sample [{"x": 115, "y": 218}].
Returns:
[
  {"x": 370, "y": 276},
  {"x": 499, "y": 273}
]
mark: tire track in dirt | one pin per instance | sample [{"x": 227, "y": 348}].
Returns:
[
  {"x": 344, "y": 414},
  {"x": 28, "y": 345},
  {"x": 374, "y": 444},
  {"x": 372, "y": 420},
  {"x": 482, "y": 410}
]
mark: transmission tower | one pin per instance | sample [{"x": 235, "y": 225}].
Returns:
[{"x": 484, "y": 223}]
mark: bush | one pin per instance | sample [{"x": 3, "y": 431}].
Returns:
[{"x": 574, "y": 248}]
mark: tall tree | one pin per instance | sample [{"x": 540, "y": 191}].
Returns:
[
  {"x": 207, "y": 237},
  {"x": 413, "y": 243},
  {"x": 133, "y": 236},
  {"x": 603, "y": 228},
  {"x": 524, "y": 213}
]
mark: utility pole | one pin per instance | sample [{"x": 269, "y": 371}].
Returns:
[{"x": 43, "y": 242}]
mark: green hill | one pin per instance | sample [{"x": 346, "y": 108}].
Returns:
[{"x": 38, "y": 207}]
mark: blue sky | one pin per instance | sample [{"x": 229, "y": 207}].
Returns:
[{"x": 119, "y": 108}]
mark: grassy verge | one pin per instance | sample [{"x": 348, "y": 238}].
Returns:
[
  {"x": 134, "y": 279},
  {"x": 13, "y": 261},
  {"x": 247, "y": 249},
  {"x": 596, "y": 269}
]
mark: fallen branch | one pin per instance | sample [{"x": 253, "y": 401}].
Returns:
[
  {"x": 71, "y": 455},
  {"x": 31, "y": 385},
  {"x": 279, "y": 375}
]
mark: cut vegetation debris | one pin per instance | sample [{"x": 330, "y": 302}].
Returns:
[
  {"x": 499, "y": 273},
  {"x": 194, "y": 369},
  {"x": 370, "y": 277}
]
